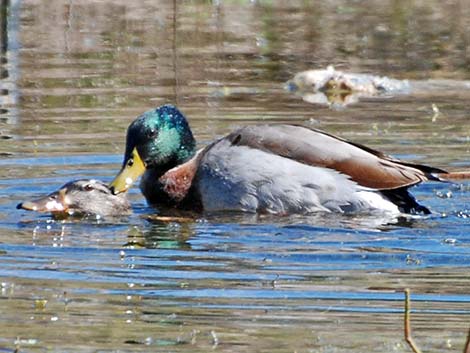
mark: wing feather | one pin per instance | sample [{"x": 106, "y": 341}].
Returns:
[{"x": 367, "y": 167}]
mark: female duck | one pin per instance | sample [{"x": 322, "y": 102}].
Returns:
[
  {"x": 266, "y": 168},
  {"x": 80, "y": 198}
]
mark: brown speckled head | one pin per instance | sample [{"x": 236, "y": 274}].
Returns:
[{"x": 82, "y": 197}]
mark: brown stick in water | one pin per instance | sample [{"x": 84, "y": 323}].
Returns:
[
  {"x": 467, "y": 344},
  {"x": 408, "y": 337}
]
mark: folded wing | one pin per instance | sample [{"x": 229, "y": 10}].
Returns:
[{"x": 363, "y": 165}]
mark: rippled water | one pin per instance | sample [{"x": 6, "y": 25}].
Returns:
[{"x": 75, "y": 73}]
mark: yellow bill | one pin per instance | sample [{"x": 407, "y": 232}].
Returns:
[{"x": 129, "y": 173}]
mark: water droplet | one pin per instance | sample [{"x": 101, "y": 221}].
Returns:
[{"x": 444, "y": 195}]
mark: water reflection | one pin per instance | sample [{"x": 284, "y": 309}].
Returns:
[
  {"x": 227, "y": 282},
  {"x": 162, "y": 235}
]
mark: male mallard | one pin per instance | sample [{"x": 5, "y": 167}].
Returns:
[
  {"x": 265, "y": 168},
  {"x": 82, "y": 197}
]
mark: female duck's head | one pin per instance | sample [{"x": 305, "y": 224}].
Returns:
[
  {"x": 83, "y": 197},
  {"x": 159, "y": 139}
]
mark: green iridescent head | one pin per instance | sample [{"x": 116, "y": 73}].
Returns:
[{"x": 159, "y": 139}]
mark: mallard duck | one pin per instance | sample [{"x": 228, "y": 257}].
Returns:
[
  {"x": 82, "y": 197},
  {"x": 280, "y": 169}
]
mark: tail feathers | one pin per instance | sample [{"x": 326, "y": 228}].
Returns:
[{"x": 405, "y": 201}]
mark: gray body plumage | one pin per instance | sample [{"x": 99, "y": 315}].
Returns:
[{"x": 237, "y": 177}]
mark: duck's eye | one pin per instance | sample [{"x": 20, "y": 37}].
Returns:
[
  {"x": 130, "y": 162},
  {"x": 53, "y": 197},
  {"x": 152, "y": 133},
  {"x": 87, "y": 187}
]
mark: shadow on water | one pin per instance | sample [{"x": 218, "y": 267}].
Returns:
[{"x": 228, "y": 282}]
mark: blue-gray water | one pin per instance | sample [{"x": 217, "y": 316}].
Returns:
[{"x": 75, "y": 73}]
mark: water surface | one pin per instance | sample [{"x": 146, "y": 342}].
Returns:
[{"x": 76, "y": 73}]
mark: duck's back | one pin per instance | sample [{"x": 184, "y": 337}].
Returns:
[
  {"x": 280, "y": 169},
  {"x": 366, "y": 166}
]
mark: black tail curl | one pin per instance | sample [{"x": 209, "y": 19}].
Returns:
[{"x": 405, "y": 201}]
